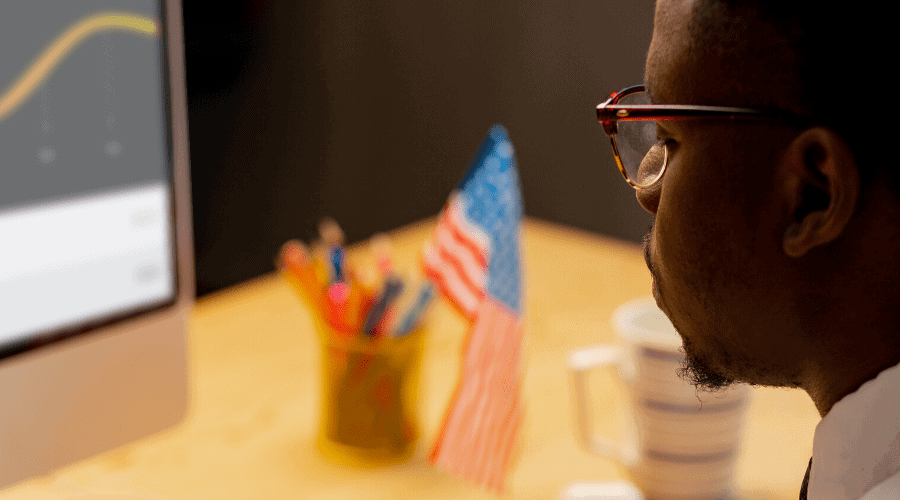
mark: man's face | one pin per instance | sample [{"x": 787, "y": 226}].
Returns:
[{"x": 715, "y": 247}]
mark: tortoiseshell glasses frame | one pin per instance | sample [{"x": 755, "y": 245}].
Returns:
[{"x": 611, "y": 112}]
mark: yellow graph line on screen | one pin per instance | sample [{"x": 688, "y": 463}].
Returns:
[{"x": 56, "y": 52}]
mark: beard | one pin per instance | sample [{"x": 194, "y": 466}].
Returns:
[{"x": 696, "y": 371}]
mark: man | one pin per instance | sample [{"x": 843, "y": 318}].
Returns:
[{"x": 776, "y": 244}]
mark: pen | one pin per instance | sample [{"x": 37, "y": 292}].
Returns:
[
  {"x": 363, "y": 286},
  {"x": 336, "y": 258},
  {"x": 392, "y": 288},
  {"x": 296, "y": 264},
  {"x": 415, "y": 313},
  {"x": 402, "y": 303},
  {"x": 336, "y": 311},
  {"x": 333, "y": 238}
]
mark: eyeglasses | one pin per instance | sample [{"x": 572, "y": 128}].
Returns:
[{"x": 629, "y": 119}]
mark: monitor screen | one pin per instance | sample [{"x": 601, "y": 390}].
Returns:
[
  {"x": 96, "y": 261},
  {"x": 86, "y": 182}
]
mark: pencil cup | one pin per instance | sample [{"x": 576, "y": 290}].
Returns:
[{"x": 369, "y": 396}]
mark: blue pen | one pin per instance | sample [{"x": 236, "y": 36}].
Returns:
[
  {"x": 426, "y": 293},
  {"x": 392, "y": 288},
  {"x": 336, "y": 255}
]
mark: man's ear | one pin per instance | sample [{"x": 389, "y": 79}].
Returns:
[{"x": 821, "y": 186}]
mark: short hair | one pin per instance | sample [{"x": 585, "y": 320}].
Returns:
[{"x": 841, "y": 55}]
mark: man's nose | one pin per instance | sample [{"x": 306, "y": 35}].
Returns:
[{"x": 649, "y": 197}]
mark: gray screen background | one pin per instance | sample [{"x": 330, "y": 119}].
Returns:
[{"x": 97, "y": 122}]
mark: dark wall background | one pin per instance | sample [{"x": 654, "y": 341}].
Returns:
[{"x": 370, "y": 112}]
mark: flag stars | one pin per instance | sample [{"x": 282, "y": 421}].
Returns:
[{"x": 492, "y": 200}]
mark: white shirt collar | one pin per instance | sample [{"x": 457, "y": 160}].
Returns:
[{"x": 857, "y": 444}]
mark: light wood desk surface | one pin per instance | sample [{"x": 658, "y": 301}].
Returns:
[{"x": 252, "y": 421}]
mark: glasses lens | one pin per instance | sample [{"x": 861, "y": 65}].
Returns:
[{"x": 643, "y": 155}]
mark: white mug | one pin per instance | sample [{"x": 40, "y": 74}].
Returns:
[{"x": 684, "y": 443}]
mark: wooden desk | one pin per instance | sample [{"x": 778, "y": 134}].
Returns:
[{"x": 252, "y": 423}]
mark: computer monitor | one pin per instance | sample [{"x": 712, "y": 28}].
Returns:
[{"x": 96, "y": 273}]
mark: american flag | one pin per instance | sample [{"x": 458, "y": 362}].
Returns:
[{"x": 474, "y": 260}]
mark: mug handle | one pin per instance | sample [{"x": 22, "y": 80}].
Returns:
[{"x": 581, "y": 361}]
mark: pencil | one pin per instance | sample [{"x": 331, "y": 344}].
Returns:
[{"x": 296, "y": 267}]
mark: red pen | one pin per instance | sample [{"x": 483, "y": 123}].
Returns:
[{"x": 337, "y": 308}]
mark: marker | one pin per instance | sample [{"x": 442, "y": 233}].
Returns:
[
  {"x": 333, "y": 237},
  {"x": 362, "y": 295},
  {"x": 336, "y": 309},
  {"x": 415, "y": 313},
  {"x": 336, "y": 257},
  {"x": 403, "y": 302},
  {"x": 392, "y": 288}
]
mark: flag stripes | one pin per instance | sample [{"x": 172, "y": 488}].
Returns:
[
  {"x": 456, "y": 260},
  {"x": 478, "y": 435},
  {"x": 468, "y": 235},
  {"x": 474, "y": 260},
  {"x": 471, "y": 266},
  {"x": 446, "y": 276}
]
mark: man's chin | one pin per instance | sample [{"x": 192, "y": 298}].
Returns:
[{"x": 698, "y": 372}]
